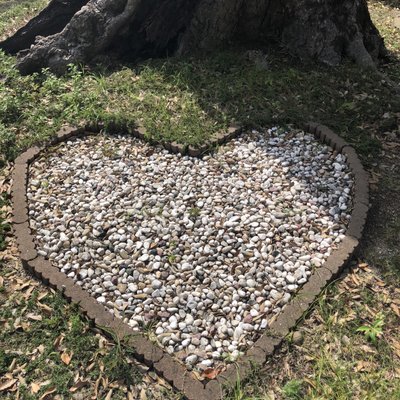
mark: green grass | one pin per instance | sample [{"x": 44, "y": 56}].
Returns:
[
  {"x": 190, "y": 99},
  {"x": 293, "y": 389},
  {"x": 5, "y": 227},
  {"x": 62, "y": 329},
  {"x": 14, "y": 13},
  {"x": 384, "y": 12}
]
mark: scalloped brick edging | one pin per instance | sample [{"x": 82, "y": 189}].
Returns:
[{"x": 145, "y": 350}]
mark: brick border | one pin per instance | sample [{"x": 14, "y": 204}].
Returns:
[{"x": 145, "y": 350}]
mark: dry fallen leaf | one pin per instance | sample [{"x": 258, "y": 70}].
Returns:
[
  {"x": 34, "y": 317},
  {"x": 23, "y": 285},
  {"x": 104, "y": 382},
  {"x": 380, "y": 282},
  {"x": 109, "y": 394},
  {"x": 90, "y": 367},
  {"x": 368, "y": 349},
  {"x": 41, "y": 349},
  {"x": 17, "y": 323},
  {"x": 143, "y": 395},
  {"x": 58, "y": 341},
  {"x": 7, "y": 385},
  {"x": 211, "y": 373},
  {"x": 395, "y": 309},
  {"x": 96, "y": 387},
  {"x": 363, "y": 366},
  {"x": 355, "y": 280},
  {"x": 42, "y": 296},
  {"x": 11, "y": 368},
  {"x": 396, "y": 347},
  {"x": 130, "y": 396},
  {"x": 66, "y": 358},
  {"x": 78, "y": 385},
  {"x": 35, "y": 387},
  {"x": 47, "y": 393},
  {"x": 45, "y": 307},
  {"x": 28, "y": 293},
  {"x": 310, "y": 382}
]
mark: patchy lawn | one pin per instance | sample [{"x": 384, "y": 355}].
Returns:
[{"x": 347, "y": 347}]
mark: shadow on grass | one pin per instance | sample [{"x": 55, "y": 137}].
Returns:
[{"x": 228, "y": 88}]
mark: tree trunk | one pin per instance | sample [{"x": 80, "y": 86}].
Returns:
[{"x": 324, "y": 30}]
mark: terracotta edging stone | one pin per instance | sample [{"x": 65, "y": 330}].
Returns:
[{"x": 147, "y": 351}]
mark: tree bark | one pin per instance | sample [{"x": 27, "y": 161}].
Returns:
[{"x": 323, "y": 30}]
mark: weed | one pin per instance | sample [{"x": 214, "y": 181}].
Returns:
[
  {"x": 160, "y": 211},
  {"x": 7, "y": 144},
  {"x": 148, "y": 328},
  {"x": 238, "y": 392},
  {"x": 44, "y": 184},
  {"x": 172, "y": 259},
  {"x": 5, "y": 228},
  {"x": 229, "y": 358},
  {"x": 118, "y": 365},
  {"x": 373, "y": 331},
  {"x": 109, "y": 151},
  {"x": 293, "y": 389},
  {"x": 194, "y": 212},
  {"x": 172, "y": 244}
]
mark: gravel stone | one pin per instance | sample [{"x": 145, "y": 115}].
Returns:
[{"x": 213, "y": 247}]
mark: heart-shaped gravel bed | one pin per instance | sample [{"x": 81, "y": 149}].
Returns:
[{"x": 199, "y": 253}]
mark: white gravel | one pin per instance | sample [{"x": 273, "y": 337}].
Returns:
[{"x": 202, "y": 251}]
